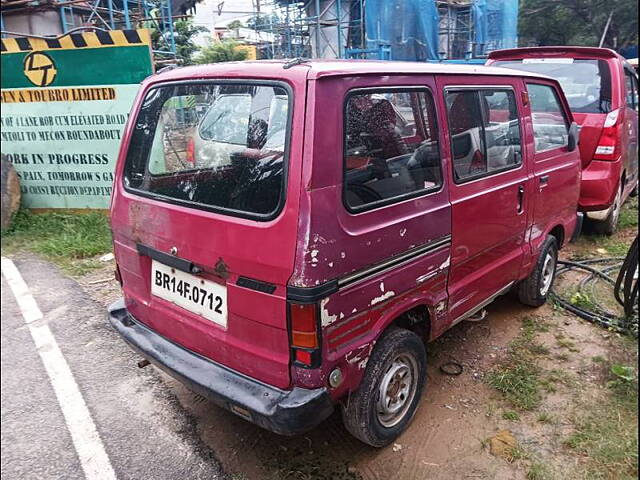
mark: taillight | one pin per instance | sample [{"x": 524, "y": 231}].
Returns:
[
  {"x": 305, "y": 338},
  {"x": 609, "y": 144},
  {"x": 191, "y": 151}
]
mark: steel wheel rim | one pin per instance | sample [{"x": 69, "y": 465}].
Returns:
[
  {"x": 396, "y": 390},
  {"x": 548, "y": 270}
]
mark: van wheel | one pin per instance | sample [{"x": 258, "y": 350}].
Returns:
[
  {"x": 388, "y": 396},
  {"x": 609, "y": 225},
  {"x": 534, "y": 289}
]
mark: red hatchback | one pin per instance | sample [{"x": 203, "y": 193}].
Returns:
[
  {"x": 602, "y": 91},
  {"x": 289, "y": 235}
]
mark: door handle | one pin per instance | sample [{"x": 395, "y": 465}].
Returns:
[
  {"x": 544, "y": 181},
  {"x": 520, "y": 199}
]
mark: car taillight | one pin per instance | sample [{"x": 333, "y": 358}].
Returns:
[
  {"x": 191, "y": 151},
  {"x": 305, "y": 341},
  {"x": 609, "y": 144}
]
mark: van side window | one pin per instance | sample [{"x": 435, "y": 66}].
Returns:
[
  {"x": 632, "y": 90},
  {"x": 485, "y": 132},
  {"x": 391, "y": 149},
  {"x": 550, "y": 125}
]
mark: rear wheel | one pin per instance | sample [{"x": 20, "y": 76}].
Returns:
[
  {"x": 534, "y": 289},
  {"x": 609, "y": 225},
  {"x": 390, "y": 391}
]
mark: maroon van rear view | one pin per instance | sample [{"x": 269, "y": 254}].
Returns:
[
  {"x": 289, "y": 236},
  {"x": 602, "y": 91}
]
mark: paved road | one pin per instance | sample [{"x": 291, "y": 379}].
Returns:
[{"x": 141, "y": 428}]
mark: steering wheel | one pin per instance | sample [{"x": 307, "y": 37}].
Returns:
[{"x": 364, "y": 193}]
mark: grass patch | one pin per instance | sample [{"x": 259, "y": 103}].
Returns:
[
  {"x": 564, "y": 342},
  {"x": 518, "y": 377},
  {"x": 70, "y": 240},
  {"x": 607, "y": 435},
  {"x": 629, "y": 214},
  {"x": 511, "y": 415},
  {"x": 539, "y": 471},
  {"x": 546, "y": 418}
]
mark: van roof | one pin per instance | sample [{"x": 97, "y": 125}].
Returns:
[
  {"x": 553, "y": 51},
  {"x": 314, "y": 69}
]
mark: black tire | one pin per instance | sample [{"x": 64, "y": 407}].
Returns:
[
  {"x": 530, "y": 290},
  {"x": 360, "y": 413},
  {"x": 609, "y": 225},
  {"x": 634, "y": 192}
]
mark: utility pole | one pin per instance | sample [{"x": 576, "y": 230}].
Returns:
[{"x": 606, "y": 29}]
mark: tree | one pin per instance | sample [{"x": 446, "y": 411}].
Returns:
[
  {"x": 235, "y": 25},
  {"x": 184, "y": 31},
  {"x": 226, "y": 51},
  {"x": 262, "y": 22},
  {"x": 578, "y": 22}
]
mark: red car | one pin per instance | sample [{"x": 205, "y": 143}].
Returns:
[
  {"x": 289, "y": 235},
  {"x": 602, "y": 90}
]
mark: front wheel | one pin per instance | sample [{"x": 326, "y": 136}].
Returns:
[
  {"x": 390, "y": 391},
  {"x": 534, "y": 289}
]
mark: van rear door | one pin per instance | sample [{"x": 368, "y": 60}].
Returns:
[{"x": 204, "y": 217}]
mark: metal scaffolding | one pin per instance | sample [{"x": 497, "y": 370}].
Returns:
[
  {"x": 311, "y": 28},
  {"x": 74, "y": 15},
  {"x": 455, "y": 29},
  {"x": 388, "y": 29}
]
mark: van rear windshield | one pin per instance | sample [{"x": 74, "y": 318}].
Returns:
[
  {"x": 217, "y": 146},
  {"x": 586, "y": 83}
]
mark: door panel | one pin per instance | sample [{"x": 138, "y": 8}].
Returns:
[
  {"x": 556, "y": 182},
  {"x": 488, "y": 194}
]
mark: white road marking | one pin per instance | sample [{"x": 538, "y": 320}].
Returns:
[{"x": 93, "y": 457}]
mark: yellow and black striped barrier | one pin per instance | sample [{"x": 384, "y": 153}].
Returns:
[{"x": 97, "y": 39}]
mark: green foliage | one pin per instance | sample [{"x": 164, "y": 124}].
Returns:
[
  {"x": 221, "y": 52},
  {"x": 184, "y": 31},
  {"x": 67, "y": 239},
  {"x": 578, "y": 22},
  {"x": 511, "y": 415},
  {"x": 623, "y": 372},
  {"x": 263, "y": 22},
  {"x": 235, "y": 25}
]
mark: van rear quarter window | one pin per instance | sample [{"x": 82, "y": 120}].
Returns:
[
  {"x": 586, "y": 83},
  {"x": 217, "y": 146},
  {"x": 391, "y": 148}
]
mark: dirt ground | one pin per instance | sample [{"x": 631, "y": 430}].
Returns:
[{"x": 449, "y": 437}]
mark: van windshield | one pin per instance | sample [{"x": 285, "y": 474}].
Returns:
[
  {"x": 215, "y": 146},
  {"x": 586, "y": 83}
]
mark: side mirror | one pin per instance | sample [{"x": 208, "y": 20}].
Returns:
[{"x": 574, "y": 137}]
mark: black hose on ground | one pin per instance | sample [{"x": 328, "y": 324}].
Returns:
[{"x": 625, "y": 289}]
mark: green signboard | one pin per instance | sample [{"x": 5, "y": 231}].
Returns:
[{"x": 64, "y": 105}]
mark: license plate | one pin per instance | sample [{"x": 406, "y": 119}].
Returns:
[{"x": 197, "y": 295}]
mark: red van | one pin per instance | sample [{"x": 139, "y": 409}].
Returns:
[
  {"x": 602, "y": 91},
  {"x": 346, "y": 213}
]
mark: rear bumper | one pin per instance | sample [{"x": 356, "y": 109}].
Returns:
[
  {"x": 287, "y": 412},
  {"x": 599, "y": 185}
]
